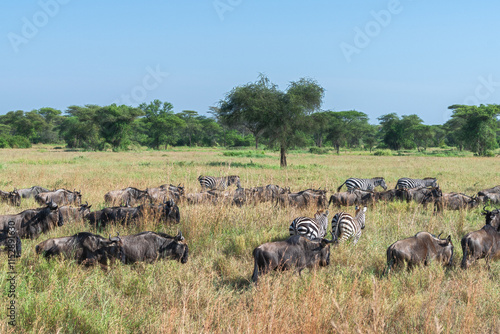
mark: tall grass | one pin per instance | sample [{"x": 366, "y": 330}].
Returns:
[{"x": 212, "y": 292}]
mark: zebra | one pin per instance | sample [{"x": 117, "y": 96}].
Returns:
[
  {"x": 363, "y": 184},
  {"x": 218, "y": 183},
  {"x": 407, "y": 183},
  {"x": 344, "y": 226},
  {"x": 309, "y": 227}
]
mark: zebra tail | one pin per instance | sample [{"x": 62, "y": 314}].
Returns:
[{"x": 338, "y": 189}]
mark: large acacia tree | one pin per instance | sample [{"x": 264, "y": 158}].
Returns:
[{"x": 280, "y": 116}]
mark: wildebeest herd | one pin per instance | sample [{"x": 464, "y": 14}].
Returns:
[{"x": 307, "y": 245}]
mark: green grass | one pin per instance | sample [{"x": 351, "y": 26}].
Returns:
[{"x": 212, "y": 292}]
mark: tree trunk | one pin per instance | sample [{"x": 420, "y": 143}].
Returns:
[
  {"x": 337, "y": 146},
  {"x": 283, "y": 157},
  {"x": 256, "y": 142}
]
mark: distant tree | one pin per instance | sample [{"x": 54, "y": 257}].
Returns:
[
  {"x": 192, "y": 124},
  {"x": 347, "y": 128},
  {"x": 162, "y": 126},
  {"x": 476, "y": 126},
  {"x": 115, "y": 123},
  {"x": 398, "y": 133},
  {"x": 80, "y": 129}
]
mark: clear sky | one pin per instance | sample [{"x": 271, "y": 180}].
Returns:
[{"x": 378, "y": 57}]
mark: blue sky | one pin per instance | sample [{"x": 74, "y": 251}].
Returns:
[{"x": 378, "y": 57}]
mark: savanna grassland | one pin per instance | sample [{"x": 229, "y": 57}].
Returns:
[{"x": 213, "y": 292}]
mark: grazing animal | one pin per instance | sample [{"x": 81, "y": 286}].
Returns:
[
  {"x": 344, "y": 199},
  {"x": 455, "y": 201},
  {"x": 218, "y": 183},
  {"x": 407, "y": 183},
  {"x": 129, "y": 196},
  {"x": 363, "y": 184},
  {"x": 11, "y": 197},
  {"x": 345, "y": 226},
  {"x": 33, "y": 222},
  {"x": 151, "y": 246},
  {"x": 166, "y": 212},
  {"x": 32, "y": 192},
  {"x": 70, "y": 213},
  {"x": 422, "y": 196},
  {"x": 295, "y": 252},
  {"x": 85, "y": 248},
  {"x": 60, "y": 197},
  {"x": 491, "y": 195},
  {"x": 164, "y": 193},
  {"x": 309, "y": 227},
  {"x": 420, "y": 249},
  {"x": 11, "y": 243},
  {"x": 484, "y": 243}
]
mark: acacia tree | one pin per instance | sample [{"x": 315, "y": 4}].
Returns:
[
  {"x": 286, "y": 123},
  {"x": 249, "y": 106},
  {"x": 264, "y": 110},
  {"x": 162, "y": 126}
]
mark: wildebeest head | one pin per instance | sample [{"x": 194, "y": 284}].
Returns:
[
  {"x": 84, "y": 209},
  {"x": 14, "y": 198},
  {"x": 492, "y": 217},
  {"x": 112, "y": 248},
  {"x": 446, "y": 250},
  {"x": 175, "y": 248},
  {"x": 53, "y": 209}
]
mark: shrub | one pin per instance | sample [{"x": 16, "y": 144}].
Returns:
[
  {"x": 319, "y": 150},
  {"x": 383, "y": 152}
]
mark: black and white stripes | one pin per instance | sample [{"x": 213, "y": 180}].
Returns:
[
  {"x": 218, "y": 183},
  {"x": 309, "y": 227},
  {"x": 363, "y": 184},
  {"x": 345, "y": 226},
  {"x": 407, "y": 183}
]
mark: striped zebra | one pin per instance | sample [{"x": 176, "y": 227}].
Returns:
[
  {"x": 309, "y": 227},
  {"x": 407, "y": 183},
  {"x": 344, "y": 226},
  {"x": 363, "y": 184},
  {"x": 218, "y": 183}
]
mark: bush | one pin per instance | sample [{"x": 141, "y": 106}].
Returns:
[
  {"x": 319, "y": 150},
  {"x": 19, "y": 142},
  {"x": 489, "y": 153},
  {"x": 383, "y": 152}
]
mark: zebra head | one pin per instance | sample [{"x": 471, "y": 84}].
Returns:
[
  {"x": 379, "y": 181},
  {"x": 430, "y": 182},
  {"x": 360, "y": 216}
]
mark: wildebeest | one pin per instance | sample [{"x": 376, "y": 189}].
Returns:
[
  {"x": 455, "y": 201},
  {"x": 31, "y": 223},
  {"x": 70, "y": 213},
  {"x": 295, "y": 252},
  {"x": 422, "y": 196},
  {"x": 484, "y": 243},
  {"x": 491, "y": 195},
  {"x": 10, "y": 197},
  {"x": 128, "y": 196},
  {"x": 211, "y": 196},
  {"x": 303, "y": 199},
  {"x": 164, "y": 193},
  {"x": 420, "y": 249},
  {"x": 356, "y": 197},
  {"x": 166, "y": 212},
  {"x": 84, "y": 247},
  {"x": 11, "y": 243},
  {"x": 31, "y": 192},
  {"x": 60, "y": 196},
  {"x": 151, "y": 246}
]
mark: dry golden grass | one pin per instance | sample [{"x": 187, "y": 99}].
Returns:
[{"x": 212, "y": 292}]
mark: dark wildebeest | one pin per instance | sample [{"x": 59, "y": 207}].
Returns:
[
  {"x": 71, "y": 214},
  {"x": 484, "y": 243},
  {"x": 456, "y": 201},
  {"x": 128, "y": 196},
  {"x": 60, "y": 196},
  {"x": 166, "y": 212},
  {"x": 422, "y": 196},
  {"x": 211, "y": 196},
  {"x": 151, "y": 246},
  {"x": 420, "y": 249},
  {"x": 10, "y": 197},
  {"x": 32, "y": 192},
  {"x": 491, "y": 195},
  {"x": 84, "y": 247},
  {"x": 243, "y": 196},
  {"x": 11, "y": 243},
  {"x": 33, "y": 222},
  {"x": 356, "y": 197},
  {"x": 303, "y": 199},
  {"x": 295, "y": 252}
]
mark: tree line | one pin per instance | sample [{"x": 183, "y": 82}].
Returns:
[{"x": 250, "y": 115}]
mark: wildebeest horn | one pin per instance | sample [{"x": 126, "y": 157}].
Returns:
[
  {"x": 439, "y": 236},
  {"x": 179, "y": 236}
]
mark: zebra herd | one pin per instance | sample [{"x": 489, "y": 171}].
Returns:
[
  {"x": 344, "y": 225},
  {"x": 370, "y": 184}
]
